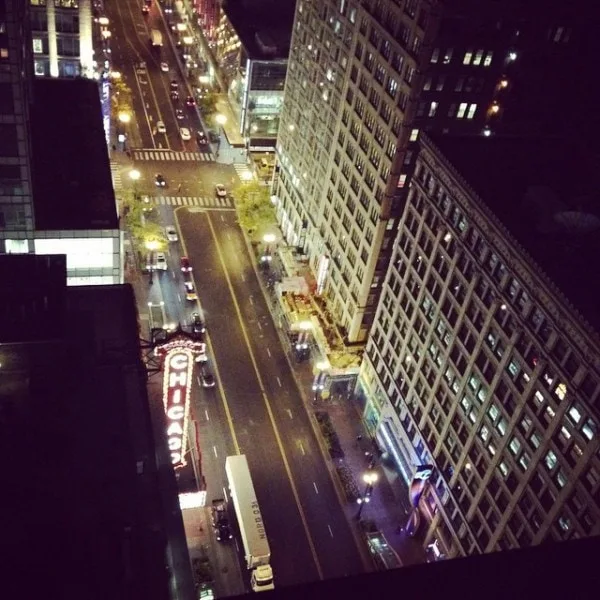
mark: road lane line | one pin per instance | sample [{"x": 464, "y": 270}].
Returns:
[
  {"x": 199, "y": 382},
  {"x": 330, "y": 532},
  {"x": 289, "y": 412},
  {"x": 316, "y": 488},
  {"x": 258, "y": 323},
  {"x": 301, "y": 448},
  {"x": 278, "y": 381},
  {"x": 269, "y": 352},
  {"x": 179, "y": 296},
  {"x": 173, "y": 274},
  {"x": 215, "y": 451},
  {"x": 206, "y": 413},
  {"x": 251, "y": 301},
  {"x": 266, "y": 401}
]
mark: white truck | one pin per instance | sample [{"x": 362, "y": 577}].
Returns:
[
  {"x": 156, "y": 38},
  {"x": 254, "y": 538}
]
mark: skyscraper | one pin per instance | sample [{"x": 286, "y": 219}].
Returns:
[
  {"x": 62, "y": 38},
  {"x": 16, "y": 202},
  {"x": 364, "y": 77}
]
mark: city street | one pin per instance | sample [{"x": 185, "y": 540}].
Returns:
[
  {"x": 255, "y": 408},
  {"x": 267, "y": 418}
]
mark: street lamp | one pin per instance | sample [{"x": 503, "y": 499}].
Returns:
[
  {"x": 370, "y": 478},
  {"x": 246, "y": 175},
  {"x": 268, "y": 239},
  {"x": 124, "y": 117},
  {"x": 220, "y": 119},
  {"x": 151, "y": 246},
  {"x": 134, "y": 175}
]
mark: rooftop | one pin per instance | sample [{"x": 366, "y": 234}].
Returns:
[
  {"x": 71, "y": 171},
  {"x": 263, "y": 26},
  {"x": 79, "y": 516},
  {"x": 545, "y": 192}
]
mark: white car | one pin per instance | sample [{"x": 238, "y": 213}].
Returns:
[
  {"x": 164, "y": 67},
  {"x": 161, "y": 261},
  {"x": 160, "y": 127},
  {"x": 171, "y": 233},
  {"x": 220, "y": 190},
  {"x": 185, "y": 134}
]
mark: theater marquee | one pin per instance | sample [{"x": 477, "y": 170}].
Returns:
[{"x": 177, "y": 381}]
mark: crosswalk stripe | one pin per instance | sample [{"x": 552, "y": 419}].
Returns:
[
  {"x": 172, "y": 155},
  {"x": 210, "y": 202}
]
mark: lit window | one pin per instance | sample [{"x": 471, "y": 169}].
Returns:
[
  {"x": 467, "y": 58},
  {"x": 472, "y": 110},
  {"x": 492, "y": 449},
  {"x": 484, "y": 433},
  {"x": 575, "y": 414},
  {"x": 435, "y": 55},
  {"x": 478, "y": 57},
  {"x": 414, "y": 134},
  {"x": 561, "y": 391},
  {"x": 503, "y": 468},
  {"x": 550, "y": 460},
  {"x": 515, "y": 446},
  {"x": 589, "y": 429},
  {"x": 432, "y": 109},
  {"x": 493, "y": 412},
  {"x": 37, "y": 46},
  {"x": 524, "y": 461},
  {"x": 448, "y": 56},
  {"x": 487, "y": 61},
  {"x": 462, "y": 108},
  {"x": 501, "y": 427}
]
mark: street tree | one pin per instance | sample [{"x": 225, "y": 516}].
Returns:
[
  {"x": 255, "y": 212},
  {"x": 208, "y": 104},
  {"x": 121, "y": 97},
  {"x": 141, "y": 222}
]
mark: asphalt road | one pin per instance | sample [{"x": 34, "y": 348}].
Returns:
[{"x": 307, "y": 530}]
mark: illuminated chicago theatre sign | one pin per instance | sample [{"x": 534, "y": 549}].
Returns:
[{"x": 178, "y": 359}]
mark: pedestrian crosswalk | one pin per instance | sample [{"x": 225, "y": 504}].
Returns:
[
  {"x": 213, "y": 202},
  {"x": 243, "y": 171},
  {"x": 115, "y": 172},
  {"x": 171, "y": 155}
]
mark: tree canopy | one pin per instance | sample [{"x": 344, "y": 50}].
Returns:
[
  {"x": 255, "y": 212},
  {"x": 143, "y": 226}
]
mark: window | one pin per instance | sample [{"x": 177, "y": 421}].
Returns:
[
  {"x": 471, "y": 111},
  {"x": 467, "y": 58},
  {"x": 37, "y": 46},
  {"x": 461, "y": 110},
  {"x": 487, "y": 61},
  {"x": 432, "y": 109}
]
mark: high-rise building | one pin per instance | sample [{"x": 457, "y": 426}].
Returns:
[
  {"x": 16, "y": 77},
  {"x": 364, "y": 78},
  {"x": 484, "y": 359},
  {"x": 62, "y": 38}
]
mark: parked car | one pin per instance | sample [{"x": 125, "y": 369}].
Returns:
[
  {"x": 198, "y": 325},
  {"x": 171, "y": 233},
  {"x": 220, "y": 520},
  {"x": 161, "y": 261},
  {"x": 207, "y": 378},
  {"x": 201, "y": 139},
  {"x": 220, "y": 190},
  {"x": 190, "y": 291},
  {"x": 186, "y": 267}
]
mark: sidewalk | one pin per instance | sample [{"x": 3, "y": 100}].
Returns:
[{"x": 388, "y": 506}]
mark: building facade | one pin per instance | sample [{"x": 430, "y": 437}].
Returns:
[
  {"x": 62, "y": 38},
  {"x": 16, "y": 201},
  {"x": 364, "y": 77},
  {"x": 479, "y": 366},
  {"x": 252, "y": 53}
]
